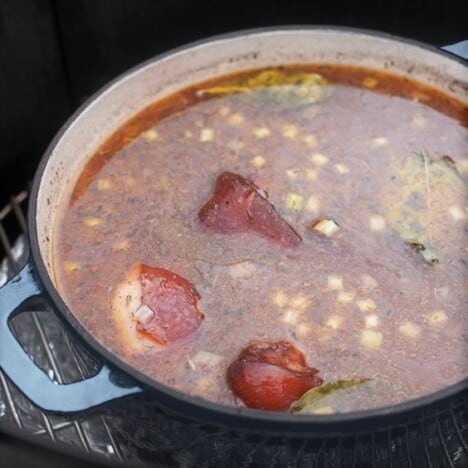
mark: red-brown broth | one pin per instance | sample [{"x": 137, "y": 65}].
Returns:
[{"x": 137, "y": 201}]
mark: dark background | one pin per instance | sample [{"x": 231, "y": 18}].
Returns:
[{"x": 53, "y": 54}]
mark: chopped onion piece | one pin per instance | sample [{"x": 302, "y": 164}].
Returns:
[
  {"x": 235, "y": 119},
  {"x": 291, "y": 316},
  {"x": 457, "y": 213},
  {"x": 377, "y": 223},
  {"x": 326, "y": 226},
  {"x": 262, "y": 132},
  {"x": 294, "y": 201},
  {"x": 258, "y": 161},
  {"x": 150, "y": 135},
  {"x": 379, "y": 141},
  {"x": 371, "y": 339},
  {"x": 418, "y": 121},
  {"x": 437, "y": 317},
  {"x": 368, "y": 282},
  {"x": 300, "y": 302},
  {"x": 409, "y": 329},
  {"x": 311, "y": 174},
  {"x": 303, "y": 329},
  {"x": 371, "y": 320},
  {"x": 310, "y": 141},
  {"x": 292, "y": 173},
  {"x": 71, "y": 267},
  {"x": 366, "y": 305},
  {"x": 462, "y": 166},
  {"x": 342, "y": 168},
  {"x": 121, "y": 245},
  {"x": 335, "y": 282},
  {"x": 280, "y": 299},
  {"x": 312, "y": 204},
  {"x": 370, "y": 82},
  {"x": 319, "y": 159},
  {"x": 206, "y": 359},
  {"x": 206, "y": 134},
  {"x": 92, "y": 222},
  {"x": 144, "y": 314},
  {"x": 225, "y": 110},
  {"x": 290, "y": 131},
  {"x": 242, "y": 270},
  {"x": 345, "y": 297},
  {"x": 104, "y": 184},
  {"x": 335, "y": 322}
]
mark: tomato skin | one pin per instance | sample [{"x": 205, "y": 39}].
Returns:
[
  {"x": 174, "y": 301},
  {"x": 271, "y": 376},
  {"x": 238, "y": 205}
]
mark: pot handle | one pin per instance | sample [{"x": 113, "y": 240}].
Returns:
[
  {"x": 105, "y": 386},
  {"x": 458, "y": 48}
]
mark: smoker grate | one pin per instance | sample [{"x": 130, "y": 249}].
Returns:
[{"x": 136, "y": 431}]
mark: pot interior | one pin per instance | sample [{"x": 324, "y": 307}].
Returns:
[{"x": 134, "y": 91}]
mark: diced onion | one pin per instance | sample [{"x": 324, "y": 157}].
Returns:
[
  {"x": 206, "y": 134},
  {"x": 377, "y": 223},
  {"x": 368, "y": 282},
  {"x": 345, "y": 297},
  {"x": 365, "y": 305},
  {"x": 103, "y": 184},
  {"x": 291, "y": 316},
  {"x": 326, "y": 226},
  {"x": 313, "y": 204},
  {"x": 71, "y": 266},
  {"x": 409, "y": 329},
  {"x": 437, "y": 317},
  {"x": 294, "y": 201},
  {"x": 299, "y": 302},
  {"x": 205, "y": 358},
  {"x": 92, "y": 222},
  {"x": 379, "y": 141},
  {"x": 319, "y": 159},
  {"x": 371, "y": 339},
  {"x": 235, "y": 119},
  {"x": 341, "y": 168},
  {"x": 262, "y": 132},
  {"x": 242, "y": 270},
  {"x": 457, "y": 213},
  {"x": 290, "y": 131},
  {"x": 258, "y": 161},
  {"x": 150, "y": 135},
  {"x": 144, "y": 314},
  {"x": 310, "y": 140},
  {"x": 335, "y": 322},
  {"x": 370, "y": 82},
  {"x": 335, "y": 282},
  {"x": 371, "y": 320}
]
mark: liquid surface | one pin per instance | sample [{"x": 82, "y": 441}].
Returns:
[{"x": 381, "y": 298}]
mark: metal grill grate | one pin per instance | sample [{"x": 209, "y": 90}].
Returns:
[{"x": 138, "y": 432}]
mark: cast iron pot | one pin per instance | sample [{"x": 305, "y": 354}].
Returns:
[{"x": 104, "y": 113}]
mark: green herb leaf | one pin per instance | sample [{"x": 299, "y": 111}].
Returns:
[
  {"x": 277, "y": 87},
  {"x": 417, "y": 202},
  {"x": 318, "y": 400}
]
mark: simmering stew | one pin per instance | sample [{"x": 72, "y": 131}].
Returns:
[{"x": 290, "y": 239}]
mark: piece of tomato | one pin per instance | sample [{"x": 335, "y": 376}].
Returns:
[
  {"x": 173, "y": 302},
  {"x": 271, "y": 375},
  {"x": 238, "y": 205}
]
